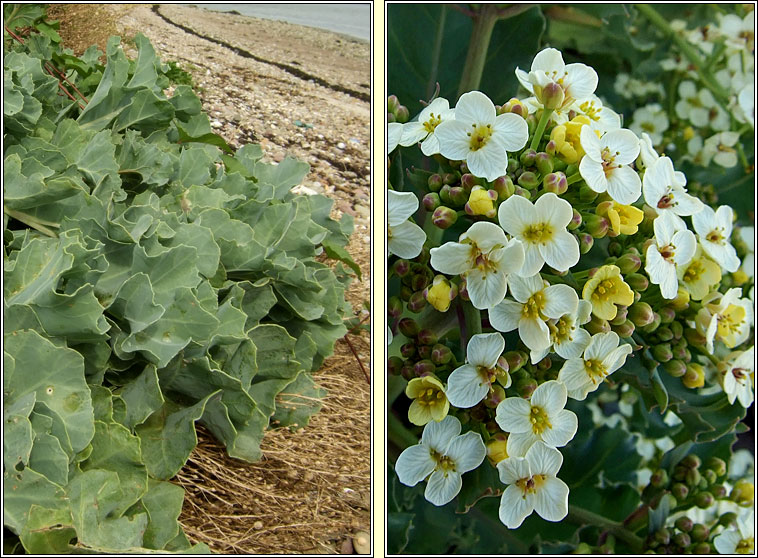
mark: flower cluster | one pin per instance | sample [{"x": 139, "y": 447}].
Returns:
[{"x": 551, "y": 231}]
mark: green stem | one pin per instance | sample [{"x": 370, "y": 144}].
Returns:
[
  {"x": 705, "y": 353},
  {"x": 580, "y": 516},
  {"x": 689, "y": 52},
  {"x": 398, "y": 434},
  {"x": 541, "y": 128},
  {"x": 576, "y": 177},
  {"x": 33, "y": 222},
  {"x": 473, "y": 319}
]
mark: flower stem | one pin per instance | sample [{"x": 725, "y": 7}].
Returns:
[
  {"x": 576, "y": 177},
  {"x": 541, "y": 128},
  {"x": 689, "y": 52},
  {"x": 580, "y": 516}
]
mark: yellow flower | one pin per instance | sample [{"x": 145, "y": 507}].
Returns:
[
  {"x": 441, "y": 293},
  {"x": 605, "y": 289},
  {"x": 429, "y": 400},
  {"x": 624, "y": 218},
  {"x": 699, "y": 275},
  {"x": 566, "y": 138},
  {"x": 743, "y": 493},
  {"x": 480, "y": 202},
  {"x": 695, "y": 376},
  {"x": 496, "y": 448}
]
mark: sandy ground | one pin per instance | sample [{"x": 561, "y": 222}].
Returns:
[{"x": 302, "y": 92}]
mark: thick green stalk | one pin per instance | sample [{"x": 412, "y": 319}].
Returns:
[
  {"x": 541, "y": 128},
  {"x": 580, "y": 516}
]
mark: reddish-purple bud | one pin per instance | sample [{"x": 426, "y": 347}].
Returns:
[
  {"x": 444, "y": 217},
  {"x": 441, "y": 354},
  {"x": 556, "y": 183},
  {"x": 576, "y": 220},
  {"x": 427, "y": 337},
  {"x": 424, "y": 368},
  {"x": 417, "y": 302},
  {"x": 431, "y": 201},
  {"x": 628, "y": 263},
  {"x": 401, "y": 267},
  {"x": 585, "y": 242}
]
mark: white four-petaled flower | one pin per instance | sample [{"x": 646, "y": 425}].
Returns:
[
  {"x": 714, "y": 228},
  {"x": 737, "y": 383},
  {"x": 602, "y": 357},
  {"x": 533, "y": 486},
  {"x": 674, "y": 246},
  {"x": 422, "y": 129},
  {"x": 541, "y": 227},
  {"x": 542, "y": 418},
  {"x": 470, "y": 383},
  {"x": 605, "y": 165},
  {"x": 481, "y": 137},
  {"x": 404, "y": 238},
  {"x": 443, "y": 455},
  {"x": 485, "y": 257},
  {"x": 663, "y": 191}
]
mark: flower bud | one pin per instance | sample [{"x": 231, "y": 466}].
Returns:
[
  {"x": 463, "y": 290},
  {"x": 525, "y": 387},
  {"x": 417, "y": 302},
  {"x": 727, "y": 519},
  {"x": 402, "y": 115},
  {"x": 427, "y": 337},
  {"x": 544, "y": 163},
  {"x": 663, "y": 536},
  {"x": 394, "y": 307},
  {"x": 668, "y": 314},
  {"x": 582, "y": 548},
  {"x": 682, "y": 540},
  {"x": 597, "y": 325},
  {"x": 684, "y": 524},
  {"x": 694, "y": 337},
  {"x": 680, "y": 491},
  {"x": 664, "y": 334},
  {"x": 662, "y": 352},
  {"x": 576, "y": 220},
  {"x": 434, "y": 182},
  {"x": 702, "y": 548},
  {"x": 556, "y": 183},
  {"x": 516, "y": 107},
  {"x": 717, "y": 465},
  {"x": 515, "y": 360},
  {"x": 392, "y": 104},
  {"x": 408, "y": 327},
  {"x": 407, "y": 370},
  {"x": 552, "y": 147},
  {"x": 659, "y": 479},
  {"x": 431, "y": 201},
  {"x": 496, "y": 448},
  {"x": 408, "y": 350},
  {"x": 441, "y": 293},
  {"x": 585, "y": 242},
  {"x": 640, "y": 313},
  {"x": 401, "y": 267},
  {"x": 504, "y": 187},
  {"x": 621, "y": 315},
  {"x": 675, "y": 368},
  {"x": 637, "y": 282},
  {"x": 624, "y": 330},
  {"x": 552, "y": 95},
  {"x": 718, "y": 490},
  {"x": 523, "y": 192},
  {"x": 458, "y": 195},
  {"x": 444, "y": 217},
  {"x": 424, "y": 368},
  {"x": 695, "y": 376},
  {"x": 405, "y": 293},
  {"x": 652, "y": 326},
  {"x": 445, "y": 194},
  {"x": 586, "y": 194},
  {"x": 595, "y": 225},
  {"x": 704, "y": 500},
  {"x": 449, "y": 178},
  {"x": 494, "y": 397},
  {"x": 699, "y": 532},
  {"x": 394, "y": 365},
  {"x": 390, "y": 118},
  {"x": 528, "y": 180},
  {"x": 468, "y": 181},
  {"x": 628, "y": 263},
  {"x": 481, "y": 202},
  {"x": 682, "y": 300},
  {"x": 743, "y": 493},
  {"x": 441, "y": 354},
  {"x": 528, "y": 157},
  {"x": 419, "y": 281}
]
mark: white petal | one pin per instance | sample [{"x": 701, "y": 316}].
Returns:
[
  {"x": 704, "y": 221},
  {"x": 658, "y": 177},
  {"x": 564, "y": 427},
  {"x": 575, "y": 347},
  {"x": 591, "y": 144},
  {"x": 443, "y": 487},
  {"x": 505, "y": 316},
  {"x": 624, "y": 185},
  {"x": 454, "y": 143},
  {"x": 451, "y": 258},
  {"x": 414, "y": 465},
  {"x": 394, "y": 134},
  {"x": 465, "y": 388},
  {"x": 514, "y": 214},
  {"x": 534, "y": 333},
  {"x": 560, "y": 300},
  {"x": 486, "y": 290},
  {"x": 523, "y": 287},
  {"x": 511, "y": 258},
  {"x": 523, "y": 79},
  {"x": 438, "y": 435},
  {"x": 407, "y": 240},
  {"x": 430, "y": 146},
  {"x": 486, "y": 235},
  {"x": 400, "y": 206},
  {"x": 512, "y": 469},
  {"x": 727, "y": 541},
  {"x": 551, "y": 501},
  {"x": 512, "y": 415},
  {"x": 573, "y": 375},
  {"x": 484, "y": 349},
  {"x": 551, "y": 396},
  {"x": 489, "y": 162},
  {"x": 593, "y": 174},
  {"x": 549, "y": 60},
  {"x": 601, "y": 345},
  {"x": 685, "y": 246},
  {"x": 514, "y": 507},
  {"x": 533, "y": 260},
  {"x": 551, "y": 209},
  {"x": 519, "y": 443},
  {"x": 467, "y": 451},
  {"x": 686, "y": 204},
  {"x": 623, "y": 141},
  {"x": 724, "y": 219},
  {"x": 544, "y": 460},
  {"x": 413, "y": 132},
  {"x": 475, "y": 107},
  {"x": 581, "y": 81},
  {"x": 562, "y": 252},
  {"x": 511, "y": 131}
]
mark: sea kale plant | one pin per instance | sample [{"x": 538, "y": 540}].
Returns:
[
  {"x": 153, "y": 278},
  {"x": 567, "y": 337}
]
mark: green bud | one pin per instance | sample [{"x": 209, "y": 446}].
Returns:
[
  {"x": 417, "y": 302},
  {"x": 677, "y": 329},
  {"x": 523, "y": 192},
  {"x": 449, "y": 178},
  {"x": 394, "y": 307},
  {"x": 405, "y": 293},
  {"x": 596, "y": 225},
  {"x": 668, "y": 314},
  {"x": 424, "y": 368},
  {"x": 458, "y": 195},
  {"x": 704, "y": 500},
  {"x": 441, "y": 354},
  {"x": 717, "y": 465},
  {"x": 680, "y": 350},
  {"x": 702, "y": 548},
  {"x": 659, "y": 478},
  {"x": 504, "y": 187},
  {"x": 516, "y": 107},
  {"x": 431, "y": 201},
  {"x": 444, "y": 217},
  {"x": 641, "y": 314},
  {"x": 586, "y": 194},
  {"x": 718, "y": 490},
  {"x": 597, "y": 325},
  {"x": 582, "y": 548},
  {"x": 684, "y": 524},
  {"x": 408, "y": 327},
  {"x": 675, "y": 368},
  {"x": 419, "y": 282},
  {"x": 526, "y": 387},
  {"x": 682, "y": 540},
  {"x": 624, "y": 330},
  {"x": 494, "y": 397},
  {"x": 709, "y": 477},
  {"x": 691, "y": 461},
  {"x": 628, "y": 263},
  {"x": 664, "y": 334},
  {"x": 662, "y": 536},
  {"x": 401, "y": 267},
  {"x": 621, "y": 315},
  {"x": 615, "y": 248},
  {"x": 694, "y": 377},
  {"x": 694, "y": 337},
  {"x": 556, "y": 183},
  {"x": 727, "y": 519},
  {"x": 515, "y": 360},
  {"x": 576, "y": 220},
  {"x": 699, "y": 532},
  {"x": 402, "y": 115},
  {"x": 424, "y": 351},
  {"x": 528, "y": 180},
  {"x": 394, "y": 365},
  {"x": 427, "y": 337},
  {"x": 662, "y": 352},
  {"x": 468, "y": 181},
  {"x": 585, "y": 242},
  {"x": 637, "y": 282},
  {"x": 392, "y": 104},
  {"x": 679, "y": 472},
  {"x": 692, "y": 478},
  {"x": 545, "y": 364},
  {"x": 552, "y": 95},
  {"x": 544, "y": 163},
  {"x": 680, "y": 491},
  {"x": 528, "y": 157},
  {"x": 651, "y": 327},
  {"x": 434, "y": 182},
  {"x": 407, "y": 370},
  {"x": 390, "y": 117},
  {"x": 445, "y": 194},
  {"x": 408, "y": 350}
]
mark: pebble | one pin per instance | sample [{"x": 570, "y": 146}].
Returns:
[{"x": 362, "y": 543}]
